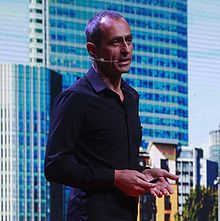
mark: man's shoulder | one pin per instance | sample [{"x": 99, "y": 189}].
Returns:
[
  {"x": 75, "y": 94},
  {"x": 79, "y": 86},
  {"x": 77, "y": 90}
]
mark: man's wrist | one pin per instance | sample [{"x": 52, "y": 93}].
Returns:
[{"x": 116, "y": 175}]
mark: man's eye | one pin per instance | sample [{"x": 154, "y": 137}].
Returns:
[
  {"x": 115, "y": 42},
  {"x": 129, "y": 41}
]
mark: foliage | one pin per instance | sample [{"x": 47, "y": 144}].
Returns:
[{"x": 201, "y": 205}]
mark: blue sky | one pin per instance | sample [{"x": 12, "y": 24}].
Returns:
[{"x": 203, "y": 69}]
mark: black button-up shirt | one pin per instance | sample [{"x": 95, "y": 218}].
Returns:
[{"x": 92, "y": 133}]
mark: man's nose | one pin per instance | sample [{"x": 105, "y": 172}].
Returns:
[{"x": 125, "y": 47}]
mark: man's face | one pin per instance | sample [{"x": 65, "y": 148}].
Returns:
[{"x": 116, "y": 44}]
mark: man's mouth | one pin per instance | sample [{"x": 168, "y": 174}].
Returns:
[{"x": 124, "y": 61}]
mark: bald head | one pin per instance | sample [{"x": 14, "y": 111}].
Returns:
[{"x": 93, "y": 27}]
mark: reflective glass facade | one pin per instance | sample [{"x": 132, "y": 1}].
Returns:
[
  {"x": 159, "y": 68},
  {"x": 14, "y": 31},
  {"x": 25, "y": 110},
  {"x": 214, "y": 148}
]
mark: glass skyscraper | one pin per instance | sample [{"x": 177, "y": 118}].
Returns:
[
  {"x": 159, "y": 68},
  {"x": 14, "y": 31},
  {"x": 214, "y": 148},
  {"x": 25, "y": 98}
]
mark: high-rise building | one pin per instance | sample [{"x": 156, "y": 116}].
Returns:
[
  {"x": 193, "y": 170},
  {"x": 26, "y": 95},
  {"x": 208, "y": 172},
  {"x": 37, "y": 32},
  {"x": 214, "y": 148},
  {"x": 14, "y": 31},
  {"x": 187, "y": 169},
  {"x": 159, "y": 68}
]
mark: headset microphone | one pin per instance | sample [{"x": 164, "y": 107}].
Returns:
[{"x": 103, "y": 60}]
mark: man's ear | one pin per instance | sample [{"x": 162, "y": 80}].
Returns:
[{"x": 91, "y": 48}]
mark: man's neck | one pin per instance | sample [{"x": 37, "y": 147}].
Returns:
[{"x": 113, "y": 82}]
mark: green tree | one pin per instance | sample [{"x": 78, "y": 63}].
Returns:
[{"x": 201, "y": 205}]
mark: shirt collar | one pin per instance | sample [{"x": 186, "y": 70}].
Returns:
[{"x": 97, "y": 83}]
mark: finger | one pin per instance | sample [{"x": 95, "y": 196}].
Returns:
[
  {"x": 145, "y": 185},
  {"x": 157, "y": 192},
  {"x": 170, "y": 189},
  {"x": 153, "y": 193},
  {"x": 143, "y": 182},
  {"x": 165, "y": 186},
  {"x": 170, "y": 175},
  {"x": 164, "y": 191},
  {"x": 162, "y": 186},
  {"x": 163, "y": 180}
]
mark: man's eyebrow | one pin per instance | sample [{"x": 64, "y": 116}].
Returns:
[
  {"x": 118, "y": 37},
  {"x": 129, "y": 36}
]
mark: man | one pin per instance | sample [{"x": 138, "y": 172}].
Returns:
[{"x": 96, "y": 132}]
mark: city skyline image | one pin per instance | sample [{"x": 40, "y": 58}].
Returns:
[
  {"x": 175, "y": 69},
  {"x": 203, "y": 56}
]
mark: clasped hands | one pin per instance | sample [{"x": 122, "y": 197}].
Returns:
[{"x": 134, "y": 183}]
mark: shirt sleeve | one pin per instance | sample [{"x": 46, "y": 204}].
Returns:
[{"x": 61, "y": 165}]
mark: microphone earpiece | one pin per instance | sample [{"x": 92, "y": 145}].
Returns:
[{"x": 102, "y": 60}]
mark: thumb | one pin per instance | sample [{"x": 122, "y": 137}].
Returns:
[
  {"x": 146, "y": 182},
  {"x": 170, "y": 176}
]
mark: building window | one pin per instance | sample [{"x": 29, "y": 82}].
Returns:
[
  {"x": 39, "y": 50},
  {"x": 39, "y": 11},
  {"x": 164, "y": 164},
  {"x": 39, "y": 40},
  {"x": 39, "y": 60},
  {"x": 167, "y": 204},
  {"x": 39, "y": 21},
  {"x": 167, "y": 217},
  {"x": 37, "y": 30}
]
